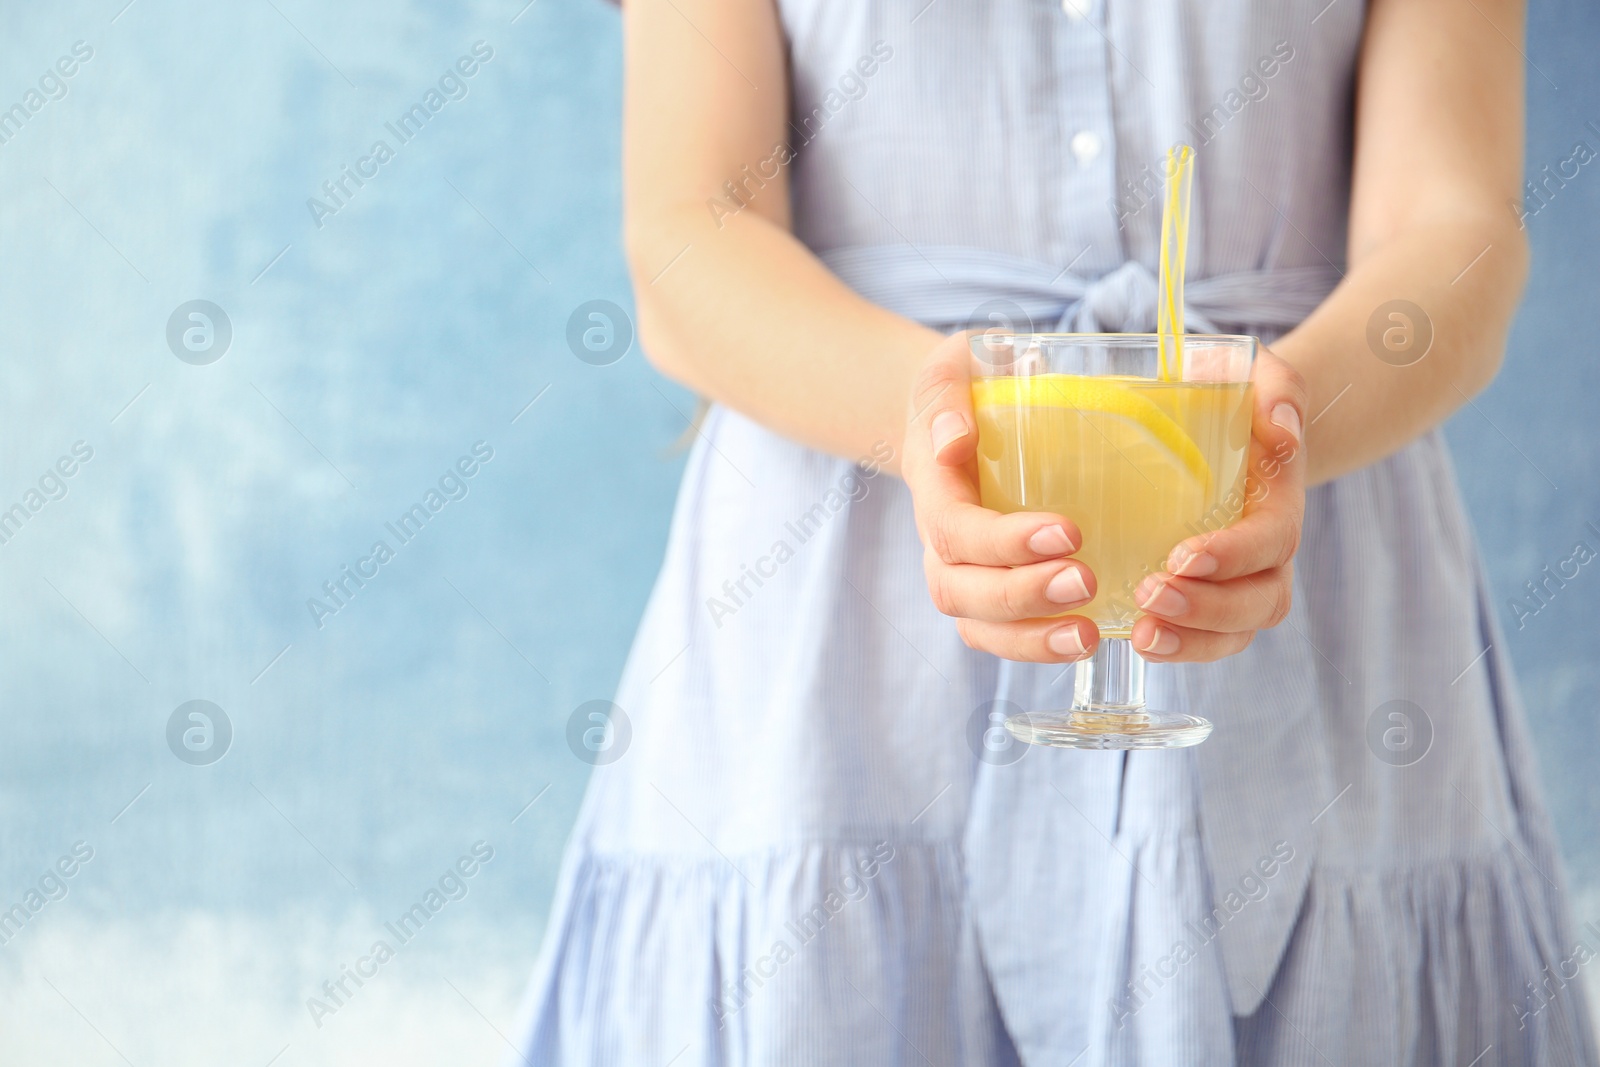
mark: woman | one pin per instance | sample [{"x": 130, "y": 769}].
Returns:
[{"x": 808, "y": 855}]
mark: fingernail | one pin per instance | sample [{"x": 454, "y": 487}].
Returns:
[
  {"x": 1157, "y": 596},
  {"x": 1190, "y": 564},
  {"x": 948, "y": 426},
  {"x": 1066, "y": 642},
  {"x": 1287, "y": 418},
  {"x": 1050, "y": 541},
  {"x": 1067, "y": 587},
  {"x": 1163, "y": 642}
]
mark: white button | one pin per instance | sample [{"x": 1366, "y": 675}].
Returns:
[
  {"x": 1077, "y": 9},
  {"x": 1085, "y": 146}
]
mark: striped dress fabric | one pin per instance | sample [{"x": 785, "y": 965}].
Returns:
[{"x": 818, "y": 848}]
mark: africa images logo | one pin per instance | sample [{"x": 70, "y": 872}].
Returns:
[
  {"x": 452, "y": 885},
  {"x": 338, "y": 191},
  {"x": 454, "y": 484},
  {"x": 53, "y": 85},
  {"x": 52, "y": 486}
]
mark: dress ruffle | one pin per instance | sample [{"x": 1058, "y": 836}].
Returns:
[
  {"x": 1449, "y": 962},
  {"x": 866, "y": 954},
  {"x": 817, "y": 954}
]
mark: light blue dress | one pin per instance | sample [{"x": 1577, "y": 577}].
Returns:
[{"x": 817, "y": 849}]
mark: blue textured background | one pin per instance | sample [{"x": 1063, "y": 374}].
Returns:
[{"x": 368, "y": 354}]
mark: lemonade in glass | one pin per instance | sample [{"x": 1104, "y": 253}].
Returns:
[{"x": 1084, "y": 425}]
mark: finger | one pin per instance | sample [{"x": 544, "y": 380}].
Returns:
[
  {"x": 940, "y": 426},
  {"x": 1280, "y": 402},
  {"x": 967, "y": 533},
  {"x": 1063, "y": 640},
  {"x": 938, "y": 467},
  {"x": 1264, "y": 537},
  {"x": 1267, "y": 533},
  {"x": 1253, "y": 602},
  {"x": 1008, "y": 594},
  {"x": 1166, "y": 642}
]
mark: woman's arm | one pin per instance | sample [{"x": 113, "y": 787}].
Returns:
[
  {"x": 1438, "y": 161},
  {"x": 732, "y": 305},
  {"x": 729, "y": 302},
  {"x": 736, "y": 308}
]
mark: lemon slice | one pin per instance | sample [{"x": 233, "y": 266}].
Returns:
[{"x": 1102, "y": 396}]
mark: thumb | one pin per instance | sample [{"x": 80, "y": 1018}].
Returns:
[
  {"x": 1280, "y": 400},
  {"x": 941, "y": 403}
]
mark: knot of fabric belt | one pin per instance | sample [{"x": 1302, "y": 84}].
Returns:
[
  {"x": 955, "y": 287},
  {"x": 1123, "y": 301}
]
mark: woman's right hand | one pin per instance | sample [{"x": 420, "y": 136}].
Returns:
[{"x": 1001, "y": 577}]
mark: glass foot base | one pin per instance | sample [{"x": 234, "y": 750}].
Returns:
[{"x": 1108, "y": 729}]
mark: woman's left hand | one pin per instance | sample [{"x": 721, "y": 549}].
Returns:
[{"x": 1219, "y": 588}]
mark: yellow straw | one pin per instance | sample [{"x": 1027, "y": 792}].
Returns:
[{"x": 1174, "y": 252}]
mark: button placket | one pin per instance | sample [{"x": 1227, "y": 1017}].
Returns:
[{"x": 1086, "y": 140}]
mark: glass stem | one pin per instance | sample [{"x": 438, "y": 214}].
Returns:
[{"x": 1112, "y": 680}]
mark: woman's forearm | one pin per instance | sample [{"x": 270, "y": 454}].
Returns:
[
  {"x": 747, "y": 316},
  {"x": 1374, "y": 386},
  {"x": 1438, "y": 159},
  {"x": 744, "y": 314},
  {"x": 729, "y": 302}
]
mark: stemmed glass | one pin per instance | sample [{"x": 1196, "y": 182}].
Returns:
[{"x": 1085, "y": 426}]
